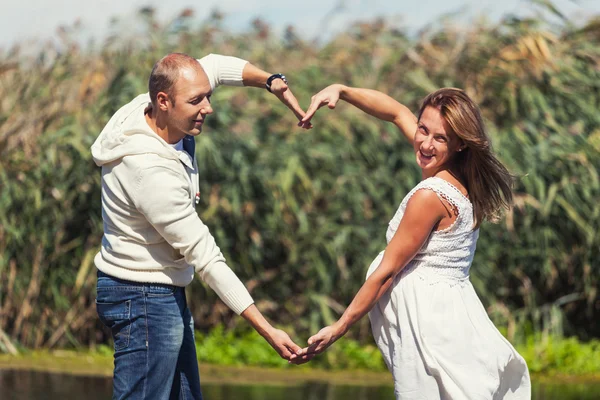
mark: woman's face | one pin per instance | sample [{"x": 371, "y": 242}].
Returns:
[{"x": 435, "y": 144}]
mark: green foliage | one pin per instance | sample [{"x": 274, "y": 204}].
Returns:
[
  {"x": 300, "y": 215},
  {"x": 246, "y": 347},
  {"x": 349, "y": 354},
  {"x": 226, "y": 348},
  {"x": 545, "y": 354},
  {"x": 550, "y": 355}
]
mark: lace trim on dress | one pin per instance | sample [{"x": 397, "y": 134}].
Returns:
[
  {"x": 450, "y": 201},
  {"x": 448, "y": 192},
  {"x": 453, "y": 187}
]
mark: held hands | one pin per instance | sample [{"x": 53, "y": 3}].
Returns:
[
  {"x": 318, "y": 343},
  {"x": 286, "y": 348},
  {"x": 278, "y": 339}
]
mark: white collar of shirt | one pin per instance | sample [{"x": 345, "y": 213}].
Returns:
[
  {"x": 178, "y": 146},
  {"x": 184, "y": 157}
]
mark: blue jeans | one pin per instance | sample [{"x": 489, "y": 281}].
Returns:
[{"x": 153, "y": 334}]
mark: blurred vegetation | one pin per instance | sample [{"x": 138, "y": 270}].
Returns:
[
  {"x": 550, "y": 359},
  {"x": 247, "y": 347},
  {"x": 545, "y": 356},
  {"x": 300, "y": 215},
  {"x": 559, "y": 355}
]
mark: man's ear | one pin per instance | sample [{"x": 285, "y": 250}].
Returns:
[{"x": 163, "y": 102}]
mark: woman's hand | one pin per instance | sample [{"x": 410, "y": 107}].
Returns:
[
  {"x": 322, "y": 340},
  {"x": 330, "y": 96}
]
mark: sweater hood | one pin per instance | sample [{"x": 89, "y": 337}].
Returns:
[{"x": 127, "y": 133}]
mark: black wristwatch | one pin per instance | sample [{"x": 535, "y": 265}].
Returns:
[{"x": 273, "y": 77}]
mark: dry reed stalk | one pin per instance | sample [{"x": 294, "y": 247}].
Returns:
[
  {"x": 41, "y": 325},
  {"x": 5, "y": 341},
  {"x": 32, "y": 291},
  {"x": 7, "y": 307}
]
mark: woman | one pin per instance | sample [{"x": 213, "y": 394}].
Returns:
[{"x": 428, "y": 322}]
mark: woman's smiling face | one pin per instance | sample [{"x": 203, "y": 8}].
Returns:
[{"x": 435, "y": 144}]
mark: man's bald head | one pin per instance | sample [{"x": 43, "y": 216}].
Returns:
[{"x": 167, "y": 71}]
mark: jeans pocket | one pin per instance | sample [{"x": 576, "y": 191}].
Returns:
[
  {"x": 161, "y": 290},
  {"x": 117, "y": 317}
]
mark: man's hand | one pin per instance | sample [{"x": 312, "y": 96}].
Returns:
[
  {"x": 256, "y": 77},
  {"x": 280, "y": 89},
  {"x": 286, "y": 348},
  {"x": 330, "y": 96},
  {"x": 278, "y": 339}
]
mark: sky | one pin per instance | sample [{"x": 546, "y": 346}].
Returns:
[{"x": 37, "y": 20}]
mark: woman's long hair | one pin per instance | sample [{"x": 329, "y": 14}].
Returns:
[{"x": 488, "y": 181}]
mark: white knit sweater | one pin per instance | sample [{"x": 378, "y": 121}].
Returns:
[{"x": 152, "y": 233}]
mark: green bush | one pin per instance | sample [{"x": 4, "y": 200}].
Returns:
[
  {"x": 567, "y": 356},
  {"x": 246, "y": 347},
  {"x": 544, "y": 354}
]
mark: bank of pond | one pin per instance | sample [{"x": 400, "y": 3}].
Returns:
[{"x": 74, "y": 374}]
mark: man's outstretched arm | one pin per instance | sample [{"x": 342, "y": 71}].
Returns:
[
  {"x": 256, "y": 77},
  {"x": 233, "y": 71}
]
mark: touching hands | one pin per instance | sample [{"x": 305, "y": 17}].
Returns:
[
  {"x": 328, "y": 96},
  {"x": 286, "y": 348},
  {"x": 317, "y": 344},
  {"x": 280, "y": 89},
  {"x": 321, "y": 341}
]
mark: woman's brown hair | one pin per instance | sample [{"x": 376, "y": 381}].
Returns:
[{"x": 488, "y": 181}]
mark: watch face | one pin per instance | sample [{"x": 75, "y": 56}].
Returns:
[{"x": 272, "y": 78}]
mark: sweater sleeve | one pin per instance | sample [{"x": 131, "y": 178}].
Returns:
[
  {"x": 223, "y": 70},
  {"x": 161, "y": 196}
]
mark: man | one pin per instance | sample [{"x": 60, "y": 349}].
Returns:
[{"x": 153, "y": 239}]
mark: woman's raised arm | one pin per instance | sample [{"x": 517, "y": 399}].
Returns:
[
  {"x": 423, "y": 212},
  {"x": 373, "y": 102}
]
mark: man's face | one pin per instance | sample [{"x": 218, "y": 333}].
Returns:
[{"x": 191, "y": 103}]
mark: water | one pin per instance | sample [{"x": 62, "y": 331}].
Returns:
[{"x": 31, "y": 385}]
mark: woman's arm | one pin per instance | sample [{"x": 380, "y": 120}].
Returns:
[
  {"x": 372, "y": 102},
  {"x": 423, "y": 213}
]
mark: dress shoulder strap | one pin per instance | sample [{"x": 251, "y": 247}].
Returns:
[
  {"x": 450, "y": 193},
  {"x": 445, "y": 191},
  {"x": 439, "y": 187}
]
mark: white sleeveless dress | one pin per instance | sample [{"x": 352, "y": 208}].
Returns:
[{"x": 435, "y": 336}]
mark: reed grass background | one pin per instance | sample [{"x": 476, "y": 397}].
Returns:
[{"x": 300, "y": 215}]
